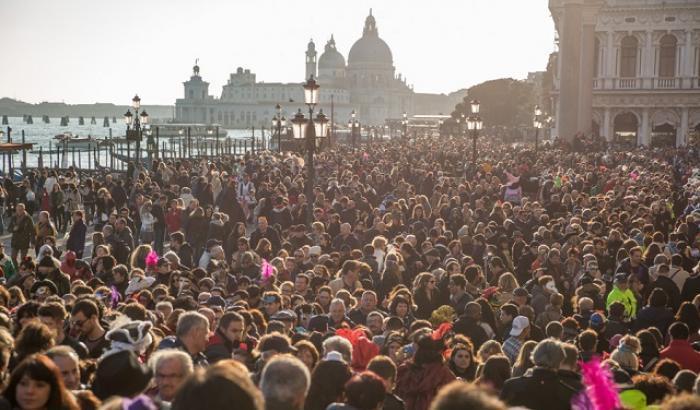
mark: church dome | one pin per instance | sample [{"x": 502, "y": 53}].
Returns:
[
  {"x": 331, "y": 58},
  {"x": 370, "y": 48}
]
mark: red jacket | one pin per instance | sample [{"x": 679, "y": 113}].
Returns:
[
  {"x": 417, "y": 386},
  {"x": 682, "y": 352}
]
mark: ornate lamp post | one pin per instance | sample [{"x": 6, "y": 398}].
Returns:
[
  {"x": 404, "y": 124},
  {"x": 311, "y": 131},
  {"x": 354, "y": 125},
  {"x": 279, "y": 122},
  {"x": 135, "y": 124},
  {"x": 538, "y": 124},
  {"x": 474, "y": 125}
]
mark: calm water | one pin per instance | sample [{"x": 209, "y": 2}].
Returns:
[{"x": 42, "y": 135}]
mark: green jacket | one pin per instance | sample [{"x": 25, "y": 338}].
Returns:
[
  {"x": 8, "y": 267},
  {"x": 625, "y": 297}
]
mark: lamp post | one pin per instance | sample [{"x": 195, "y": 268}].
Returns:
[
  {"x": 310, "y": 131},
  {"x": 404, "y": 124},
  {"x": 537, "y": 123},
  {"x": 354, "y": 125},
  {"x": 135, "y": 124},
  {"x": 279, "y": 121},
  {"x": 474, "y": 125}
]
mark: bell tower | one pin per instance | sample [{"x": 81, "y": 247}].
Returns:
[{"x": 310, "y": 60}]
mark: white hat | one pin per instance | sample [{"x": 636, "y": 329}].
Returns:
[
  {"x": 315, "y": 250},
  {"x": 519, "y": 324}
]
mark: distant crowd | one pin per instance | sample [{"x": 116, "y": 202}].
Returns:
[{"x": 412, "y": 278}]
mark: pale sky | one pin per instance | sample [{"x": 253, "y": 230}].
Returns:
[{"x": 86, "y": 51}]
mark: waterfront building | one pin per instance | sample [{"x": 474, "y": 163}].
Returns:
[{"x": 627, "y": 70}]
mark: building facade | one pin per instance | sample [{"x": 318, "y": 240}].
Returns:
[
  {"x": 628, "y": 70},
  {"x": 367, "y": 84}
]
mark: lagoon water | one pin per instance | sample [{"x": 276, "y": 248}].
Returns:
[{"x": 42, "y": 135}]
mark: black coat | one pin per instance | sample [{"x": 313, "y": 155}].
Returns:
[
  {"x": 473, "y": 330},
  {"x": 543, "y": 389}
]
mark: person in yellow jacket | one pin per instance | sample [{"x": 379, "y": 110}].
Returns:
[{"x": 621, "y": 293}]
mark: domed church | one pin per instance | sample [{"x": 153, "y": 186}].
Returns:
[
  {"x": 367, "y": 84},
  {"x": 369, "y": 76}
]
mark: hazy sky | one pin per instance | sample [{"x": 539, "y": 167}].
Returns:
[{"x": 84, "y": 51}]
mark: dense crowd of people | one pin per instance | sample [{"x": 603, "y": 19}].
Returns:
[{"x": 411, "y": 279}]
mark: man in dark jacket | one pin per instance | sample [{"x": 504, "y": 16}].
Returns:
[
  {"x": 264, "y": 231},
  {"x": 76, "y": 237},
  {"x": 229, "y": 336},
  {"x": 468, "y": 325},
  {"x": 183, "y": 249},
  {"x": 543, "y": 388},
  {"x": 22, "y": 228}
]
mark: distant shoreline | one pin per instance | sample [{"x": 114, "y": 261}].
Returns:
[{"x": 16, "y": 108}]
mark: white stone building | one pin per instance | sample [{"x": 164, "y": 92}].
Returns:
[
  {"x": 628, "y": 70},
  {"x": 367, "y": 84}
]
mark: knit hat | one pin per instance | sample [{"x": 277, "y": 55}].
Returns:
[
  {"x": 131, "y": 335},
  {"x": 120, "y": 374}
]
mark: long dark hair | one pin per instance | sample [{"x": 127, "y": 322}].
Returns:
[
  {"x": 39, "y": 367},
  {"x": 327, "y": 384},
  {"x": 428, "y": 351}
]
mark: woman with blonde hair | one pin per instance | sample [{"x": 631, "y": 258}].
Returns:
[
  {"x": 507, "y": 283},
  {"x": 138, "y": 257}
]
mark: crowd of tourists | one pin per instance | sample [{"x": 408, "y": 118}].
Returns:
[{"x": 412, "y": 278}]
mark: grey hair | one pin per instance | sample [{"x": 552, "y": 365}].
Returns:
[
  {"x": 549, "y": 354},
  {"x": 338, "y": 344},
  {"x": 190, "y": 320},
  {"x": 161, "y": 356},
  {"x": 284, "y": 380},
  {"x": 62, "y": 351},
  {"x": 336, "y": 301}
]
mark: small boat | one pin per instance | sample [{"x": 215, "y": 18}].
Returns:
[{"x": 73, "y": 141}]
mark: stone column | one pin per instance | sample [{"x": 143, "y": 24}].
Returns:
[
  {"x": 648, "y": 57},
  {"x": 607, "y": 129},
  {"x": 610, "y": 60},
  {"x": 585, "y": 104},
  {"x": 569, "y": 68},
  {"x": 689, "y": 63},
  {"x": 644, "y": 137},
  {"x": 683, "y": 129}
]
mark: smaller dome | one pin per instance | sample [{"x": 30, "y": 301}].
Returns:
[{"x": 331, "y": 58}]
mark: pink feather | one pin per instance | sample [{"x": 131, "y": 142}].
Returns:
[
  {"x": 266, "y": 270},
  {"x": 601, "y": 392},
  {"x": 152, "y": 259}
]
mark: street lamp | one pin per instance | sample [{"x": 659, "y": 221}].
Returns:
[
  {"x": 474, "y": 125},
  {"x": 537, "y": 123},
  {"x": 135, "y": 124},
  {"x": 404, "y": 124},
  {"x": 279, "y": 121},
  {"x": 354, "y": 126},
  {"x": 309, "y": 130}
]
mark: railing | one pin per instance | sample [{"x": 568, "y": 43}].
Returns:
[
  {"x": 646, "y": 83},
  {"x": 626, "y": 83},
  {"x": 666, "y": 83}
]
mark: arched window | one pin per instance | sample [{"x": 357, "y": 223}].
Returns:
[
  {"x": 667, "y": 56},
  {"x": 628, "y": 57}
]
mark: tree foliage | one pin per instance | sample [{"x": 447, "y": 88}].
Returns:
[{"x": 504, "y": 102}]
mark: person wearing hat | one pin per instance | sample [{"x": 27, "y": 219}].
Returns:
[
  {"x": 287, "y": 317},
  {"x": 519, "y": 333},
  {"x": 48, "y": 268},
  {"x": 120, "y": 374},
  {"x": 623, "y": 294}
]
